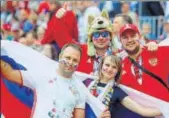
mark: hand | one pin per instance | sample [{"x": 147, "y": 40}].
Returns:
[
  {"x": 152, "y": 46},
  {"x": 62, "y": 11},
  {"x": 105, "y": 114}
]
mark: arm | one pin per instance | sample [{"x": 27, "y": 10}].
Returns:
[
  {"x": 79, "y": 113},
  {"x": 144, "y": 111},
  {"x": 9, "y": 73}
]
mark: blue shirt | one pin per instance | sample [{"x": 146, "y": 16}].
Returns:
[{"x": 117, "y": 109}]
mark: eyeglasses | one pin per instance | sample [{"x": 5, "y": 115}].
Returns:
[{"x": 103, "y": 34}]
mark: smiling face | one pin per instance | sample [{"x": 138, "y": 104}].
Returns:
[
  {"x": 110, "y": 68},
  {"x": 129, "y": 40},
  {"x": 101, "y": 39},
  {"x": 69, "y": 60}
]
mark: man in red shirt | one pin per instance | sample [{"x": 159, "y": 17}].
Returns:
[
  {"x": 61, "y": 31},
  {"x": 156, "y": 62}
]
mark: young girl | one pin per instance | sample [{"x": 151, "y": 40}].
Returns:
[{"x": 106, "y": 90}]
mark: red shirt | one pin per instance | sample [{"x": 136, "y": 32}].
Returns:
[
  {"x": 86, "y": 62},
  {"x": 149, "y": 85},
  {"x": 62, "y": 31}
]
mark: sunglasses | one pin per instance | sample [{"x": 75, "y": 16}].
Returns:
[{"x": 104, "y": 34}]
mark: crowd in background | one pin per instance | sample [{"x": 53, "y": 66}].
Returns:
[{"x": 26, "y": 21}]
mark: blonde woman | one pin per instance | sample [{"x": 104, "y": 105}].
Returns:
[{"x": 106, "y": 89}]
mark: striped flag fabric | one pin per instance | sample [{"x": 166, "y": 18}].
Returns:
[{"x": 22, "y": 57}]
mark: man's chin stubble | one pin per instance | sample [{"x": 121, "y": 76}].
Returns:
[{"x": 133, "y": 52}]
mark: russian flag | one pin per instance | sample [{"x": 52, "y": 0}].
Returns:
[
  {"x": 21, "y": 99},
  {"x": 16, "y": 101}
]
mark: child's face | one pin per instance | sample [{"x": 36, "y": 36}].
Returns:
[{"x": 109, "y": 69}]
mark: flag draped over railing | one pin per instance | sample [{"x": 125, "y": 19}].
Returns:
[{"x": 30, "y": 59}]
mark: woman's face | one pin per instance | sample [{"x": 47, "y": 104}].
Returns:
[{"x": 109, "y": 69}]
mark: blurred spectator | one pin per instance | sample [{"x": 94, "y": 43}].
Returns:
[
  {"x": 30, "y": 23},
  {"x": 166, "y": 28},
  {"x": 167, "y": 9},
  {"x": 134, "y": 5},
  {"x": 33, "y": 6},
  {"x": 23, "y": 17},
  {"x": 15, "y": 29},
  {"x": 54, "y": 6},
  {"x": 165, "y": 34},
  {"x": 155, "y": 9},
  {"x": 44, "y": 6},
  {"x": 6, "y": 32},
  {"x": 7, "y": 11},
  {"x": 85, "y": 9},
  {"x": 125, "y": 9},
  {"x": 10, "y": 5},
  {"x": 40, "y": 33},
  {"x": 118, "y": 22},
  {"x": 23, "y": 4},
  {"x": 147, "y": 31},
  {"x": 23, "y": 40},
  {"x": 3, "y": 12},
  {"x": 113, "y": 7},
  {"x": 31, "y": 41}
]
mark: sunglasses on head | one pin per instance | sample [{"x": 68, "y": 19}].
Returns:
[{"x": 104, "y": 34}]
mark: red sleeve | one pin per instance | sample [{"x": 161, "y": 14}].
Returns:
[
  {"x": 48, "y": 37},
  {"x": 75, "y": 28},
  {"x": 62, "y": 31}
]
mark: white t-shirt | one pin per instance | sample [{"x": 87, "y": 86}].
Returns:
[{"x": 55, "y": 96}]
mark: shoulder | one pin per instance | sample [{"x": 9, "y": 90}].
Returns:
[
  {"x": 117, "y": 89},
  {"x": 119, "y": 92},
  {"x": 164, "y": 42},
  {"x": 125, "y": 60},
  {"x": 83, "y": 46},
  {"x": 69, "y": 12},
  {"x": 84, "y": 49},
  {"x": 164, "y": 48}
]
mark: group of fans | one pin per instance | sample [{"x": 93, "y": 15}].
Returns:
[{"x": 47, "y": 29}]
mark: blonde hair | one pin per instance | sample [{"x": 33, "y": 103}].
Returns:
[{"x": 117, "y": 61}]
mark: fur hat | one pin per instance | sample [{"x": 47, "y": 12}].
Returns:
[{"x": 95, "y": 24}]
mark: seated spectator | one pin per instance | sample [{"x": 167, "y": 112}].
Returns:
[
  {"x": 147, "y": 33},
  {"x": 7, "y": 34},
  {"x": 166, "y": 30}
]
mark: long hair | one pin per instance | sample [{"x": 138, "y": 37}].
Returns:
[{"x": 117, "y": 61}]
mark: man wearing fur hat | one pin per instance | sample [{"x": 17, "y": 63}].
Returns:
[{"x": 99, "y": 43}]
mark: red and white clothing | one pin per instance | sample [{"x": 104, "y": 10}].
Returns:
[
  {"x": 88, "y": 64},
  {"x": 55, "y": 96},
  {"x": 156, "y": 62}
]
